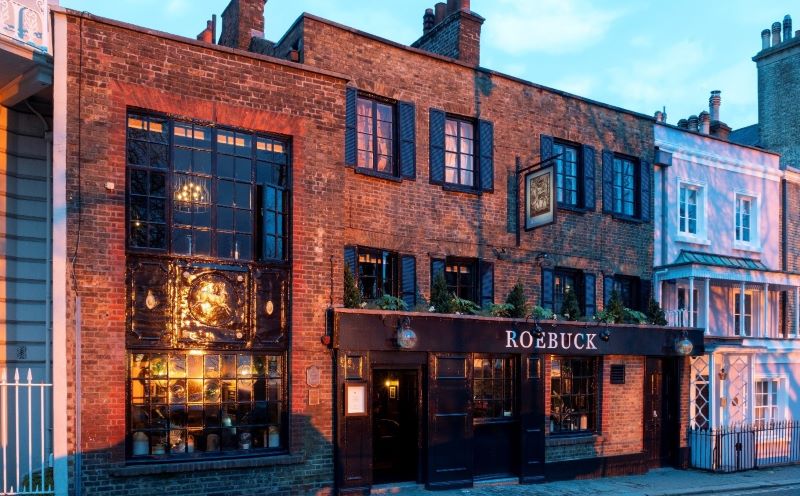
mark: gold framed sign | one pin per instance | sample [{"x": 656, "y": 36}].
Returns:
[
  {"x": 540, "y": 198},
  {"x": 355, "y": 399}
]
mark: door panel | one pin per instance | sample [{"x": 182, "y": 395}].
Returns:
[
  {"x": 450, "y": 453},
  {"x": 395, "y": 422},
  {"x": 531, "y": 420},
  {"x": 661, "y": 414}
]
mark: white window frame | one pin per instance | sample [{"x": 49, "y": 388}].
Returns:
[
  {"x": 701, "y": 236},
  {"x": 780, "y": 397},
  {"x": 754, "y": 244},
  {"x": 748, "y": 293}
]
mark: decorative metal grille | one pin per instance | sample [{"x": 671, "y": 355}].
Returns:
[
  {"x": 736, "y": 389},
  {"x": 700, "y": 399}
]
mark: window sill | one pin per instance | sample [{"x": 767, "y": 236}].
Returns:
[
  {"x": 460, "y": 189},
  {"x": 199, "y": 465},
  {"x": 692, "y": 240},
  {"x": 378, "y": 175},
  {"x": 573, "y": 208},
  {"x": 569, "y": 439},
  {"x": 625, "y": 218},
  {"x": 746, "y": 247}
]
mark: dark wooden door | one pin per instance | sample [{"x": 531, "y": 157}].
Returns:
[
  {"x": 660, "y": 412},
  {"x": 354, "y": 446},
  {"x": 450, "y": 449},
  {"x": 395, "y": 425},
  {"x": 531, "y": 416}
]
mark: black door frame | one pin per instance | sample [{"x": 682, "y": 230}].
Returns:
[{"x": 668, "y": 449}]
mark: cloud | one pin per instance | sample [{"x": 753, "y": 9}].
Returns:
[
  {"x": 176, "y": 7},
  {"x": 547, "y": 26}
]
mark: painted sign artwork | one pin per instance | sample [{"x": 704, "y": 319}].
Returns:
[
  {"x": 25, "y": 21},
  {"x": 539, "y": 198}
]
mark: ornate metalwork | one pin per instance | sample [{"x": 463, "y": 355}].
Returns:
[
  {"x": 25, "y": 21},
  {"x": 700, "y": 411}
]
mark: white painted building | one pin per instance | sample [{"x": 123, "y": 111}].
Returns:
[{"x": 719, "y": 266}]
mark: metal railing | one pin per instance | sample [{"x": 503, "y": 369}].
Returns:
[
  {"x": 677, "y": 317},
  {"x": 746, "y": 446},
  {"x": 24, "y": 436}
]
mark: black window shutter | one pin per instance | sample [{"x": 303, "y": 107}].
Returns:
[
  {"x": 408, "y": 146},
  {"x": 350, "y": 259},
  {"x": 545, "y": 147},
  {"x": 512, "y": 203},
  {"x": 486, "y": 150},
  {"x": 436, "y": 146},
  {"x": 487, "y": 283},
  {"x": 547, "y": 289},
  {"x": 645, "y": 170},
  {"x": 589, "y": 293},
  {"x": 437, "y": 267},
  {"x": 408, "y": 279},
  {"x": 644, "y": 295},
  {"x": 608, "y": 181},
  {"x": 350, "y": 127},
  {"x": 608, "y": 288},
  {"x": 588, "y": 177}
]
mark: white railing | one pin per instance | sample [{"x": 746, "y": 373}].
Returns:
[
  {"x": 24, "y": 437},
  {"x": 677, "y": 318}
]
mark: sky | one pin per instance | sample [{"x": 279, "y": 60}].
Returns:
[{"x": 642, "y": 55}]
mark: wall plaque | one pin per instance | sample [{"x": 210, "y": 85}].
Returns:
[{"x": 313, "y": 376}]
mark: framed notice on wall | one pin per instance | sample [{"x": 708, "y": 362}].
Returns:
[
  {"x": 540, "y": 198},
  {"x": 355, "y": 399}
]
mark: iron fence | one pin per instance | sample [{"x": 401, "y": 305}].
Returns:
[
  {"x": 24, "y": 436},
  {"x": 746, "y": 446}
]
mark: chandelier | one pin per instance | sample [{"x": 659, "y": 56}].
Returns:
[{"x": 191, "y": 194}]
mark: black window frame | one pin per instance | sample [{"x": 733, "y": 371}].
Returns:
[
  {"x": 486, "y": 403},
  {"x": 257, "y": 185},
  {"x": 474, "y": 266},
  {"x": 380, "y": 284},
  {"x": 459, "y": 185},
  {"x": 587, "y": 392},
  {"x": 628, "y": 290},
  {"x": 636, "y": 204},
  {"x": 374, "y": 101},
  {"x": 560, "y": 177},
  {"x": 578, "y": 288}
]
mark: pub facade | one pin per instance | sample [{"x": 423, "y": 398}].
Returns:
[{"x": 213, "y": 203}]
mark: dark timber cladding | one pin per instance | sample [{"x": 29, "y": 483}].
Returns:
[{"x": 478, "y": 397}]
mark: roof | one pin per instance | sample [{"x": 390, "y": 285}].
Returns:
[
  {"x": 696, "y": 257},
  {"x": 746, "y": 136}
]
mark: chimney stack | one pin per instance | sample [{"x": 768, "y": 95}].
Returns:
[
  {"x": 209, "y": 34},
  {"x": 713, "y": 105},
  {"x": 441, "y": 12},
  {"x": 428, "y": 21},
  {"x": 765, "y": 39},
  {"x": 659, "y": 115},
  {"x": 693, "y": 121},
  {"x": 787, "y": 27},
  {"x": 242, "y": 20},
  {"x": 705, "y": 122},
  {"x": 776, "y": 34}
]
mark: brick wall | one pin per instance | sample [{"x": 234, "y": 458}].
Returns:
[
  {"x": 111, "y": 68},
  {"x": 778, "y": 87},
  {"x": 239, "y": 20},
  {"x": 423, "y": 219}
]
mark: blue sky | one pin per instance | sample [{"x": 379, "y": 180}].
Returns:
[{"x": 639, "y": 55}]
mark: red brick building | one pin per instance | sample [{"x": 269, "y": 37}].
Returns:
[{"x": 216, "y": 196}]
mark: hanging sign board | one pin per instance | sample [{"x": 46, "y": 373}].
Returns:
[{"x": 540, "y": 198}]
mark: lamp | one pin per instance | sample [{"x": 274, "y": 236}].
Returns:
[
  {"x": 406, "y": 337},
  {"x": 684, "y": 345},
  {"x": 605, "y": 335}
]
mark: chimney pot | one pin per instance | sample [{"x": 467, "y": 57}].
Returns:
[
  {"x": 659, "y": 116},
  {"x": 453, "y": 6},
  {"x": 683, "y": 124},
  {"x": 465, "y": 5},
  {"x": 713, "y": 104},
  {"x": 765, "y": 39},
  {"x": 787, "y": 27},
  {"x": 441, "y": 12},
  {"x": 428, "y": 21},
  {"x": 693, "y": 121},
  {"x": 776, "y": 34},
  {"x": 705, "y": 122}
]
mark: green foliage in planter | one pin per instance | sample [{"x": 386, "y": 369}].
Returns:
[
  {"x": 389, "y": 302},
  {"x": 615, "y": 310},
  {"x": 500, "y": 310},
  {"x": 464, "y": 307},
  {"x": 633, "y": 316},
  {"x": 441, "y": 299},
  {"x": 655, "y": 315},
  {"x": 540, "y": 313},
  {"x": 570, "y": 309},
  {"x": 352, "y": 295},
  {"x": 519, "y": 303},
  {"x": 422, "y": 304}
]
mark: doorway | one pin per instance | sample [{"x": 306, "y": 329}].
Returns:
[
  {"x": 395, "y": 425},
  {"x": 661, "y": 403}
]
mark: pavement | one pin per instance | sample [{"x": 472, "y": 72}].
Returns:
[{"x": 657, "y": 482}]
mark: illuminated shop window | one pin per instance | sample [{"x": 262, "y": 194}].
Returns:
[
  {"x": 493, "y": 387},
  {"x": 573, "y": 395},
  {"x": 185, "y": 403}
]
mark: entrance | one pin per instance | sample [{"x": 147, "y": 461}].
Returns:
[
  {"x": 661, "y": 412},
  {"x": 395, "y": 425}
]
